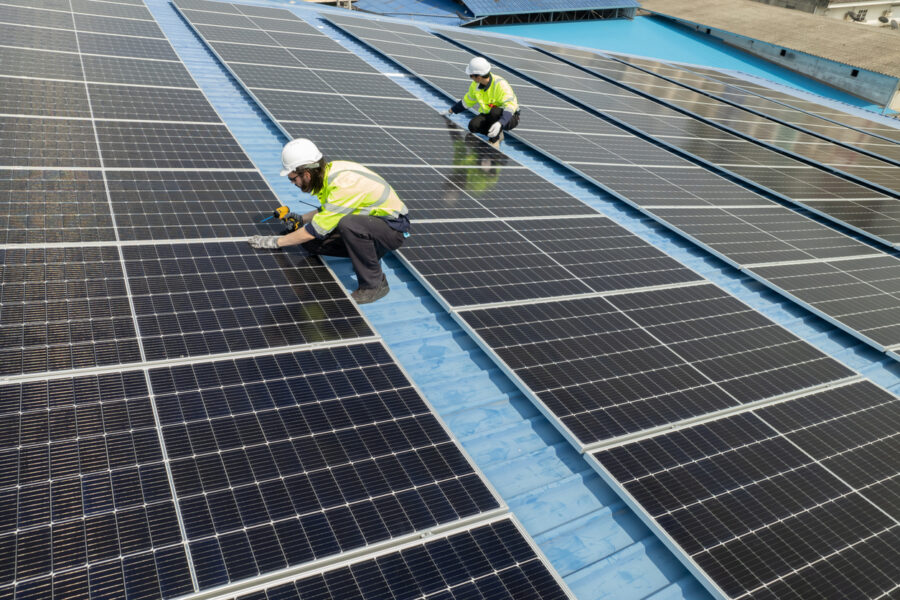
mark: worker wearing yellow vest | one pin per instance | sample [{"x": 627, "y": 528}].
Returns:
[
  {"x": 493, "y": 98},
  {"x": 361, "y": 216}
]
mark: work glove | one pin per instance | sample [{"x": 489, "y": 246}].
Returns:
[
  {"x": 269, "y": 242},
  {"x": 494, "y": 131}
]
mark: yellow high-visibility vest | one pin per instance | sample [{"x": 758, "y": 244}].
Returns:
[
  {"x": 498, "y": 93},
  {"x": 349, "y": 188}
]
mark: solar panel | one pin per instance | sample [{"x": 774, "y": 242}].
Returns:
[
  {"x": 64, "y": 308},
  {"x": 117, "y": 26},
  {"x": 28, "y": 16},
  {"x": 164, "y": 205},
  {"x": 778, "y": 502},
  {"x": 281, "y": 460},
  {"x": 117, "y": 45},
  {"x": 297, "y": 456},
  {"x": 110, "y": 9},
  {"x": 52, "y": 207},
  {"x": 35, "y": 37},
  {"x": 493, "y": 561},
  {"x": 198, "y": 299},
  {"x": 87, "y": 504},
  {"x": 608, "y": 367},
  {"x": 32, "y": 63},
  {"x": 860, "y": 294},
  {"x": 43, "y": 98}
]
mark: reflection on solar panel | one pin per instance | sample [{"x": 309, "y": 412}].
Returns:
[
  {"x": 788, "y": 501},
  {"x": 736, "y": 96},
  {"x": 493, "y": 561},
  {"x": 770, "y": 100},
  {"x": 658, "y": 189},
  {"x": 180, "y": 475}
]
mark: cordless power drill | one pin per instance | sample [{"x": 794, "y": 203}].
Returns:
[{"x": 292, "y": 220}]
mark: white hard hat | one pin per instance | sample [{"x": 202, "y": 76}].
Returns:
[
  {"x": 478, "y": 66},
  {"x": 298, "y": 153}
]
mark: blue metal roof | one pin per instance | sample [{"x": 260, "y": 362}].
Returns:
[
  {"x": 599, "y": 546},
  {"x": 483, "y": 8}
]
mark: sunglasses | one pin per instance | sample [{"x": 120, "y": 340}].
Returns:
[{"x": 293, "y": 177}]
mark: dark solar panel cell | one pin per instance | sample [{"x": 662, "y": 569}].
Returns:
[
  {"x": 45, "y": 142},
  {"x": 222, "y": 7},
  {"x": 45, "y": 206},
  {"x": 202, "y": 17},
  {"x": 757, "y": 512},
  {"x": 110, "y": 9},
  {"x": 199, "y": 299},
  {"x": 490, "y": 262},
  {"x": 117, "y": 45},
  {"x": 43, "y": 98},
  {"x": 492, "y": 561},
  {"x": 308, "y": 41},
  {"x": 602, "y": 254},
  {"x": 245, "y": 53},
  {"x": 146, "y": 103},
  {"x": 374, "y": 84},
  {"x": 164, "y": 205},
  {"x": 36, "y": 37},
  {"x": 169, "y": 145},
  {"x": 109, "y": 69},
  {"x": 292, "y": 23},
  {"x": 291, "y": 458},
  {"x": 334, "y": 61},
  {"x": 86, "y": 483},
  {"x": 385, "y": 111},
  {"x": 367, "y": 145},
  {"x": 804, "y": 183},
  {"x": 98, "y": 24},
  {"x": 755, "y": 236},
  {"x": 280, "y": 78},
  {"x": 649, "y": 358},
  {"x": 272, "y": 13},
  {"x": 30, "y": 15},
  {"x": 214, "y": 33},
  {"x": 64, "y": 308},
  {"x": 861, "y": 294},
  {"x": 432, "y": 195},
  {"x": 33, "y": 63},
  {"x": 317, "y": 108}
]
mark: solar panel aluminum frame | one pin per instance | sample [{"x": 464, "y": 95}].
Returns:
[
  {"x": 716, "y": 169},
  {"x": 261, "y": 583},
  {"x": 749, "y": 109},
  {"x": 653, "y": 525},
  {"x": 717, "y": 125}
]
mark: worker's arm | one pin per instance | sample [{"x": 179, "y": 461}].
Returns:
[{"x": 301, "y": 236}]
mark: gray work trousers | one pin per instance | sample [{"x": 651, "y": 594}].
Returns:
[{"x": 362, "y": 239}]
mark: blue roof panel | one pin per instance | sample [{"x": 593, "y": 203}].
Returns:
[{"x": 482, "y": 8}]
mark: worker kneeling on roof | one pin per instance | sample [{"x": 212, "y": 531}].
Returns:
[
  {"x": 361, "y": 216},
  {"x": 493, "y": 98}
]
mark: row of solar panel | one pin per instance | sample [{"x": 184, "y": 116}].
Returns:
[
  {"x": 763, "y": 502},
  {"x": 160, "y": 483},
  {"x": 675, "y": 192}
]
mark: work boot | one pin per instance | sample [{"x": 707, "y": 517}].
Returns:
[{"x": 368, "y": 295}]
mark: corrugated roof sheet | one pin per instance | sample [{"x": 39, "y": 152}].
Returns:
[
  {"x": 862, "y": 46},
  {"x": 483, "y": 8}
]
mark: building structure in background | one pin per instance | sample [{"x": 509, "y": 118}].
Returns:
[
  {"x": 509, "y": 12},
  {"x": 858, "y": 60},
  {"x": 869, "y": 13}
]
